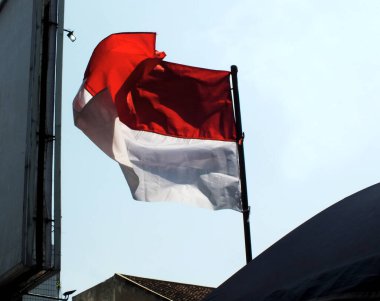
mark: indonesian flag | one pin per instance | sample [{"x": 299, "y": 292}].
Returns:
[{"x": 170, "y": 127}]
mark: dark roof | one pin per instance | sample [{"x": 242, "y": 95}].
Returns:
[
  {"x": 170, "y": 290},
  {"x": 333, "y": 256}
]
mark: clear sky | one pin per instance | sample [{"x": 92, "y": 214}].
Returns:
[{"x": 309, "y": 79}]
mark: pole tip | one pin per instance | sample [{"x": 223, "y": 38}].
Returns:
[{"x": 234, "y": 69}]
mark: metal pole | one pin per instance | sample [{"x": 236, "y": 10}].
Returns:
[
  {"x": 43, "y": 146},
  {"x": 49, "y": 125},
  {"x": 57, "y": 132},
  {"x": 243, "y": 179}
]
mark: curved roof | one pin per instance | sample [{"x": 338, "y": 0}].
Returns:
[{"x": 335, "y": 253}]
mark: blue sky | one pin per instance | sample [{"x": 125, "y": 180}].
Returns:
[{"x": 309, "y": 74}]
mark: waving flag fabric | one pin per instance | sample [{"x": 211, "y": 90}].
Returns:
[{"x": 169, "y": 126}]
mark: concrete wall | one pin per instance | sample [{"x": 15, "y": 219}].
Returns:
[
  {"x": 19, "y": 74},
  {"x": 27, "y": 73}
]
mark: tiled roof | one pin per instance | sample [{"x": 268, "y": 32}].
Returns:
[{"x": 170, "y": 290}]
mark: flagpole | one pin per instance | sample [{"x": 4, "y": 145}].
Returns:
[{"x": 243, "y": 179}]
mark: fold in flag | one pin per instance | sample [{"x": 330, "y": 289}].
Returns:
[{"x": 170, "y": 127}]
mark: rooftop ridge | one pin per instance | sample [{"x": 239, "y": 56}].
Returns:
[
  {"x": 127, "y": 277},
  {"x": 169, "y": 290}
]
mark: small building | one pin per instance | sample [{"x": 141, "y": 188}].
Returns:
[{"x": 131, "y": 288}]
